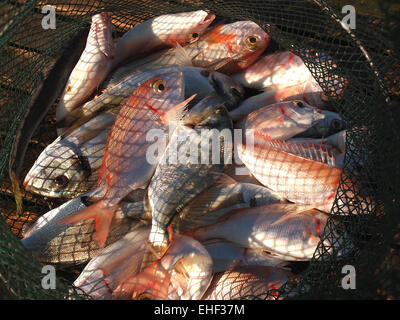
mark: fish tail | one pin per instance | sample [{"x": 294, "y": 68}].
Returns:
[
  {"x": 103, "y": 216},
  {"x": 17, "y": 192}
]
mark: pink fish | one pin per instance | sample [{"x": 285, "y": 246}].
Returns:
[
  {"x": 161, "y": 32},
  {"x": 288, "y": 231},
  {"x": 282, "y": 120},
  {"x": 92, "y": 67},
  {"x": 238, "y": 44},
  {"x": 125, "y": 166},
  {"x": 302, "y": 175},
  {"x": 184, "y": 272},
  {"x": 284, "y": 76}
]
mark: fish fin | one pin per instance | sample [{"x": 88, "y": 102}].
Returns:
[
  {"x": 182, "y": 57},
  {"x": 309, "y": 151},
  {"x": 103, "y": 217},
  {"x": 290, "y": 215},
  {"x": 225, "y": 180},
  {"x": 104, "y": 37},
  {"x": 175, "y": 112}
]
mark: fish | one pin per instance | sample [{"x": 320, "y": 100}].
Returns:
[
  {"x": 189, "y": 165},
  {"x": 114, "y": 264},
  {"x": 71, "y": 244},
  {"x": 183, "y": 273},
  {"x": 246, "y": 282},
  {"x": 42, "y": 99},
  {"x": 197, "y": 81},
  {"x": 223, "y": 196},
  {"x": 224, "y": 48},
  {"x": 280, "y": 70},
  {"x": 163, "y": 31},
  {"x": 226, "y": 255},
  {"x": 69, "y": 166},
  {"x": 330, "y": 125},
  {"x": 335, "y": 141},
  {"x": 289, "y": 230},
  {"x": 302, "y": 175},
  {"x": 281, "y": 121},
  {"x": 125, "y": 165},
  {"x": 92, "y": 67},
  {"x": 285, "y": 77}
]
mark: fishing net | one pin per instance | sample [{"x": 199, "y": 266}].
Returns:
[{"x": 367, "y": 56}]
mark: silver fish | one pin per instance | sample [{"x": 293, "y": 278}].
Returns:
[
  {"x": 69, "y": 166},
  {"x": 55, "y": 243},
  {"x": 186, "y": 168},
  {"x": 226, "y": 255},
  {"x": 196, "y": 81}
]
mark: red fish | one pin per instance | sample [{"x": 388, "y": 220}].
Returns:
[
  {"x": 236, "y": 45},
  {"x": 125, "y": 166}
]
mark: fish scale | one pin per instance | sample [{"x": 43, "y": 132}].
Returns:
[
  {"x": 125, "y": 164},
  {"x": 176, "y": 183},
  {"x": 297, "y": 178},
  {"x": 288, "y": 230}
]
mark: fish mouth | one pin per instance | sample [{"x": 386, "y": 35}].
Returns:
[
  {"x": 43, "y": 192},
  {"x": 210, "y": 17}
]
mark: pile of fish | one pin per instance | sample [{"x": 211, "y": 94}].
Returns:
[{"x": 180, "y": 182}]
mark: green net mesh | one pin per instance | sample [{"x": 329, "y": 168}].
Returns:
[{"x": 367, "y": 56}]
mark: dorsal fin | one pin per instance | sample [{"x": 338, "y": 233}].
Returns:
[
  {"x": 305, "y": 150},
  {"x": 182, "y": 57}
]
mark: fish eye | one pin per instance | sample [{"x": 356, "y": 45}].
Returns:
[
  {"x": 252, "y": 42},
  {"x": 300, "y": 104},
  {"x": 158, "y": 86},
  {"x": 61, "y": 181},
  {"x": 266, "y": 253},
  {"x": 144, "y": 296},
  {"x": 194, "y": 36}
]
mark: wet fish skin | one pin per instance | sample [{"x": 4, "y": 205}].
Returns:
[
  {"x": 114, "y": 264},
  {"x": 246, "y": 283},
  {"x": 186, "y": 177},
  {"x": 92, "y": 67},
  {"x": 162, "y": 31},
  {"x": 330, "y": 125},
  {"x": 224, "y": 48},
  {"x": 289, "y": 230},
  {"x": 69, "y": 166},
  {"x": 225, "y": 195},
  {"x": 197, "y": 81},
  {"x": 183, "y": 273},
  {"x": 297, "y": 178},
  {"x": 62, "y": 245},
  {"x": 280, "y": 69},
  {"x": 281, "y": 121},
  {"x": 151, "y": 106},
  {"x": 285, "y": 76},
  {"x": 226, "y": 255}
]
